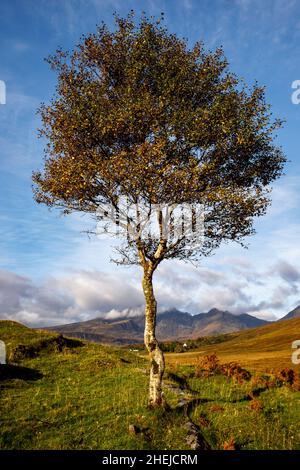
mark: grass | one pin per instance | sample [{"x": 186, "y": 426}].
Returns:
[
  {"x": 229, "y": 417},
  {"x": 78, "y": 395}
]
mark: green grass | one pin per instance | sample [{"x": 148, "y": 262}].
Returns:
[
  {"x": 276, "y": 426},
  {"x": 85, "y": 396}
]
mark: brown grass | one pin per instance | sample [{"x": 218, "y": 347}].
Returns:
[{"x": 263, "y": 348}]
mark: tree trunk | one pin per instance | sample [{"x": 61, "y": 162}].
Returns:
[{"x": 157, "y": 362}]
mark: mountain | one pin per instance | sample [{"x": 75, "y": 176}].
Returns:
[
  {"x": 171, "y": 325},
  {"x": 119, "y": 331},
  {"x": 293, "y": 314}
]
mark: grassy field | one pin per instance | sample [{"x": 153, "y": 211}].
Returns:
[
  {"x": 57, "y": 393},
  {"x": 261, "y": 349}
]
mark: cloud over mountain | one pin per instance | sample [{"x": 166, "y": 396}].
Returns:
[{"x": 83, "y": 294}]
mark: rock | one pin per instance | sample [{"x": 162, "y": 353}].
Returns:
[
  {"x": 133, "y": 429},
  {"x": 194, "y": 439}
]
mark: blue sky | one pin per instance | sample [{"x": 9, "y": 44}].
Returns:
[{"x": 50, "y": 271}]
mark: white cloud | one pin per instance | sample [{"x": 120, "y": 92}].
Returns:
[
  {"x": 84, "y": 294},
  {"x": 77, "y": 297},
  {"x": 126, "y": 313}
]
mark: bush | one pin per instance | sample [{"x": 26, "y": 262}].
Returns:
[
  {"x": 208, "y": 366},
  {"x": 235, "y": 371},
  {"x": 288, "y": 377},
  {"x": 295, "y": 386}
]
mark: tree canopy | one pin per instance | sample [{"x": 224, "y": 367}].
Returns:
[{"x": 138, "y": 113}]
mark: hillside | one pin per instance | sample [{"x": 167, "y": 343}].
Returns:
[
  {"x": 61, "y": 393},
  {"x": 293, "y": 314},
  {"x": 260, "y": 348},
  {"x": 171, "y": 325}
]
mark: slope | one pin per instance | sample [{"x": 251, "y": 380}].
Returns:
[
  {"x": 59, "y": 393},
  {"x": 268, "y": 346}
]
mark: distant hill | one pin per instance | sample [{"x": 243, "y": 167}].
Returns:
[
  {"x": 269, "y": 346},
  {"x": 293, "y": 314},
  {"x": 171, "y": 325}
]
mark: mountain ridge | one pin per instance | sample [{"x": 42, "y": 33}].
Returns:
[
  {"x": 172, "y": 324},
  {"x": 295, "y": 313}
]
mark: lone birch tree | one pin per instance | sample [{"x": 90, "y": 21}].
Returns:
[{"x": 140, "y": 117}]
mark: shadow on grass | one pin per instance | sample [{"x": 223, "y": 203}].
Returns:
[
  {"x": 9, "y": 371},
  {"x": 178, "y": 379}
]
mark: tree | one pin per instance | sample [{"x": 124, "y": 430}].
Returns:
[{"x": 140, "y": 117}]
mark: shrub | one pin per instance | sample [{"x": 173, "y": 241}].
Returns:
[
  {"x": 235, "y": 371},
  {"x": 295, "y": 386},
  {"x": 286, "y": 376},
  {"x": 208, "y": 366}
]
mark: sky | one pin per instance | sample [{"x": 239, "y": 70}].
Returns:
[{"x": 51, "y": 272}]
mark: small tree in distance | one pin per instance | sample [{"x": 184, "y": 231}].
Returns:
[{"x": 139, "y": 116}]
